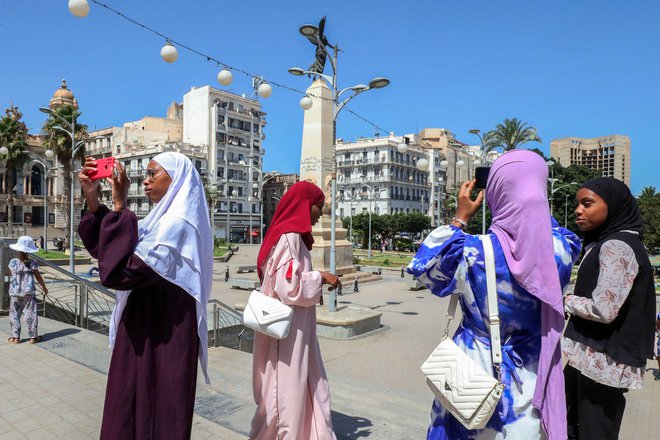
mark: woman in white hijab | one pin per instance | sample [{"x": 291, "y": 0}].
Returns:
[{"x": 162, "y": 268}]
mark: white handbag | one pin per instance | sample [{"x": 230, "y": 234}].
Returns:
[
  {"x": 461, "y": 385},
  {"x": 267, "y": 315}
]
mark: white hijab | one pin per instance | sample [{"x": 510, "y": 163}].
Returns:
[{"x": 175, "y": 240}]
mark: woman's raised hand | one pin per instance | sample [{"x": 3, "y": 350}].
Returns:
[
  {"x": 86, "y": 183},
  {"x": 120, "y": 185},
  {"x": 466, "y": 207},
  {"x": 89, "y": 186}
]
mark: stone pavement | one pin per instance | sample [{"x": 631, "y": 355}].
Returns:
[{"x": 377, "y": 389}]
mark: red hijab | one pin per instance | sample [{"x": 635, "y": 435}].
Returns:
[{"x": 292, "y": 214}]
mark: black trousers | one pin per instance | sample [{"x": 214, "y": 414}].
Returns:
[{"x": 594, "y": 410}]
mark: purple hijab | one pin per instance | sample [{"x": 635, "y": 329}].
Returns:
[{"x": 517, "y": 196}]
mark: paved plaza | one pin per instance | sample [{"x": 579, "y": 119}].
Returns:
[{"x": 55, "y": 389}]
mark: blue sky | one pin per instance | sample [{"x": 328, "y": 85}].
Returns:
[{"x": 569, "y": 68}]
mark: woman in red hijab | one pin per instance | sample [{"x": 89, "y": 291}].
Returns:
[{"x": 289, "y": 383}]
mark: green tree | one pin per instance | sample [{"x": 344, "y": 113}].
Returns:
[
  {"x": 649, "y": 206},
  {"x": 416, "y": 222},
  {"x": 511, "y": 134},
  {"x": 61, "y": 145},
  {"x": 13, "y": 134}
]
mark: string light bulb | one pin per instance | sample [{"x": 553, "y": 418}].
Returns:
[
  {"x": 306, "y": 102},
  {"x": 225, "y": 77},
  {"x": 169, "y": 52},
  {"x": 423, "y": 164},
  {"x": 264, "y": 90},
  {"x": 79, "y": 8}
]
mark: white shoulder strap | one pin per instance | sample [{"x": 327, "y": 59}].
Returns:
[{"x": 493, "y": 312}]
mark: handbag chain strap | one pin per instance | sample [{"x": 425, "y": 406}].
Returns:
[{"x": 493, "y": 311}]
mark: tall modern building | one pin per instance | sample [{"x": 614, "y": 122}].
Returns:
[
  {"x": 608, "y": 154},
  {"x": 231, "y": 128}
]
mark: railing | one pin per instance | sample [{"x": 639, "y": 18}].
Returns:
[
  {"x": 75, "y": 300},
  {"x": 227, "y": 328},
  {"x": 16, "y": 230}
]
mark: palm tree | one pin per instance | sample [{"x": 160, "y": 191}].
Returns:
[
  {"x": 511, "y": 134},
  {"x": 13, "y": 134},
  {"x": 60, "y": 143},
  {"x": 648, "y": 192}
]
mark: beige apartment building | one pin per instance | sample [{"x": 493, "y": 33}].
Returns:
[
  {"x": 135, "y": 143},
  {"x": 608, "y": 154}
]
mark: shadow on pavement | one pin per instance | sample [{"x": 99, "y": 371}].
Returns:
[
  {"x": 58, "y": 334},
  {"x": 349, "y": 427}
]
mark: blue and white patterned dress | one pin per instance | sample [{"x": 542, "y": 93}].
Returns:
[{"x": 451, "y": 261}]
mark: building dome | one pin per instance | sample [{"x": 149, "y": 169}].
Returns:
[{"x": 63, "y": 96}]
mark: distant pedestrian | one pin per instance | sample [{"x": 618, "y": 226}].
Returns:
[
  {"x": 609, "y": 336},
  {"x": 289, "y": 383},
  {"x": 22, "y": 292},
  {"x": 41, "y": 241}
]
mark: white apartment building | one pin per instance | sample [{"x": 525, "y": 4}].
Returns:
[
  {"x": 372, "y": 175},
  {"x": 231, "y": 128}
]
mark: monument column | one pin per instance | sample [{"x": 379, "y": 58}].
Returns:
[{"x": 317, "y": 163}]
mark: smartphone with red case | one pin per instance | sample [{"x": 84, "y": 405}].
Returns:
[{"x": 104, "y": 168}]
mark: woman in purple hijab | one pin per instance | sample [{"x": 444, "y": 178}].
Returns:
[{"x": 533, "y": 260}]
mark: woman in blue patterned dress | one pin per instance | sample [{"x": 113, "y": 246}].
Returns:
[{"x": 533, "y": 259}]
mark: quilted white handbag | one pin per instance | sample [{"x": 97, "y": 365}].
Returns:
[
  {"x": 267, "y": 315},
  {"x": 461, "y": 385}
]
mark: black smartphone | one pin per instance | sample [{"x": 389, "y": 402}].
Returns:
[{"x": 481, "y": 174}]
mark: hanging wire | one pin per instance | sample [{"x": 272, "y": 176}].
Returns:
[{"x": 219, "y": 63}]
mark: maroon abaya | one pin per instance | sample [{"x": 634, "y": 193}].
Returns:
[{"x": 150, "y": 392}]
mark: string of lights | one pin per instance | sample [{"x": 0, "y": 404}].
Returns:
[{"x": 169, "y": 53}]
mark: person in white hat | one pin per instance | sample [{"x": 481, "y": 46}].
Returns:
[{"x": 22, "y": 290}]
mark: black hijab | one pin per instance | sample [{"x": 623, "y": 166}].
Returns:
[{"x": 622, "y": 210}]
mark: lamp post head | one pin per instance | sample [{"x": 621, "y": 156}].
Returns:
[
  {"x": 475, "y": 131},
  {"x": 308, "y": 30},
  {"x": 360, "y": 87},
  {"x": 45, "y": 110},
  {"x": 49, "y": 154},
  {"x": 296, "y": 71},
  {"x": 402, "y": 147},
  {"x": 378, "y": 83}
]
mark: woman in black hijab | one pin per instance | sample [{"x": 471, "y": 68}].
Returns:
[{"x": 610, "y": 334}]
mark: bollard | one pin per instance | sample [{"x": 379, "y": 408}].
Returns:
[
  {"x": 356, "y": 287},
  {"x": 321, "y": 299},
  {"x": 402, "y": 273},
  {"x": 226, "y": 274}
]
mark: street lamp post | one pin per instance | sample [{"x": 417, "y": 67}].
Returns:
[
  {"x": 554, "y": 190},
  {"x": 261, "y": 211},
  {"x": 440, "y": 180},
  {"x": 566, "y": 211},
  {"x": 371, "y": 195},
  {"x": 75, "y": 146},
  {"x": 312, "y": 33}
]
